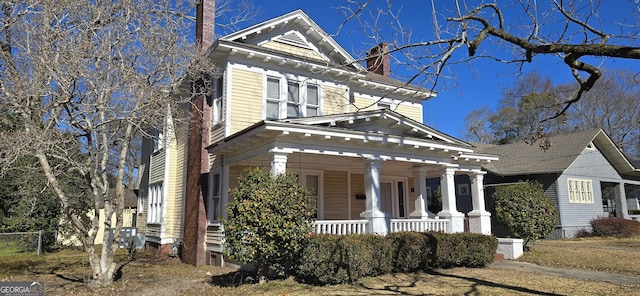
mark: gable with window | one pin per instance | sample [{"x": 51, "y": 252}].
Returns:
[
  {"x": 291, "y": 98},
  {"x": 580, "y": 191}
]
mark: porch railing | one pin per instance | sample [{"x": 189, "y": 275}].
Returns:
[
  {"x": 418, "y": 225},
  {"x": 340, "y": 226}
]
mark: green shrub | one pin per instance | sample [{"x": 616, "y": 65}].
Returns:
[
  {"x": 525, "y": 210},
  {"x": 329, "y": 259},
  {"x": 618, "y": 227},
  {"x": 411, "y": 251},
  {"x": 269, "y": 220},
  {"x": 461, "y": 250},
  {"x": 320, "y": 262}
]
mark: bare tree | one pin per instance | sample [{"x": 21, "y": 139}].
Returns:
[
  {"x": 510, "y": 32},
  {"x": 81, "y": 80}
]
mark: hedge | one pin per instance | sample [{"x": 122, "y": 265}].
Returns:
[
  {"x": 618, "y": 227},
  {"x": 331, "y": 259}
]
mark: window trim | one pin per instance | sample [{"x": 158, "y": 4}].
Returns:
[
  {"x": 155, "y": 206},
  {"x": 212, "y": 218},
  {"x": 284, "y": 81},
  {"x": 218, "y": 95},
  {"x": 580, "y": 191}
]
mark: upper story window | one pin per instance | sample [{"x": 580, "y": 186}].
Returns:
[
  {"x": 158, "y": 140},
  {"x": 289, "y": 98},
  {"x": 217, "y": 108}
]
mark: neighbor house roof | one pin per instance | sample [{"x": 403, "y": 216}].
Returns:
[{"x": 521, "y": 158}]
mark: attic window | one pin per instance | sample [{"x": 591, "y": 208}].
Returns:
[
  {"x": 590, "y": 146},
  {"x": 293, "y": 39}
]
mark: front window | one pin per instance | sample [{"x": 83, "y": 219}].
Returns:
[
  {"x": 580, "y": 191},
  {"x": 214, "y": 201},
  {"x": 289, "y": 98}
]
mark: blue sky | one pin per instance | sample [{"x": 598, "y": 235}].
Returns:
[{"x": 473, "y": 86}]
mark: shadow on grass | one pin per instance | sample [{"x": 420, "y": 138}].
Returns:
[
  {"x": 401, "y": 287},
  {"x": 233, "y": 279}
]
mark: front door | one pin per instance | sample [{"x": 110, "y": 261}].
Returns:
[{"x": 393, "y": 199}]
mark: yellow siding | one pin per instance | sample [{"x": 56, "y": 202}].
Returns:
[
  {"x": 413, "y": 112},
  {"x": 361, "y": 103},
  {"x": 156, "y": 168},
  {"x": 177, "y": 189},
  {"x": 334, "y": 100},
  {"x": 246, "y": 106},
  {"x": 153, "y": 230},
  {"x": 217, "y": 134},
  {"x": 335, "y": 195},
  {"x": 357, "y": 187},
  {"x": 299, "y": 51}
]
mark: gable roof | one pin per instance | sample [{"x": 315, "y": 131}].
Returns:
[
  {"x": 521, "y": 158},
  {"x": 300, "y": 31},
  {"x": 302, "y": 21}
]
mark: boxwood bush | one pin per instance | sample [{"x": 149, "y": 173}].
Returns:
[
  {"x": 411, "y": 251},
  {"x": 331, "y": 259},
  {"x": 461, "y": 250},
  {"x": 618, "y": 227}
]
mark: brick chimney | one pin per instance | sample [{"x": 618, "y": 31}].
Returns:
[
  {"x": 195, "y": 214},
  {"x": 378, "y": 60},
  {"x": 205, "y": 22}
]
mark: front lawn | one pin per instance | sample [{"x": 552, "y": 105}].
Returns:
[{"x": 64, "y": 271}]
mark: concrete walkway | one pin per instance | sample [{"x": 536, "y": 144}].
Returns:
[{"x": 614, "y": 278}]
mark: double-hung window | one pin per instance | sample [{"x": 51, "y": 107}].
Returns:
[
  {"x": 217, "y": 114},
  {"x": 580, "y": 191},
  {"x": 214, "y": 206},
  {"x": 290, "y": 98},
  {"x": 154, "y": 215}
]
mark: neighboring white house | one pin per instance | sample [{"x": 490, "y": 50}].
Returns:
[{"x": 583, "y": 173}]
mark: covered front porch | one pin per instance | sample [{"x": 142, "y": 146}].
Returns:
[{"x": 367, "y": 171}]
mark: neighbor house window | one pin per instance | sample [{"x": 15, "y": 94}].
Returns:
[
  {"x": 154, "y": 215},
  {"x": 289, "y": 98},
  {"x": 384, "y": 105},
  {"x": 580, "y": 191},
  {"x": 214, "y": 200}
]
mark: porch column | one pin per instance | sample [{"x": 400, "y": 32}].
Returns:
[
  {"x": 479, "y": 218},
  {"x": 377, "y": 219},
  {"x": 449, "y": 206},
  {"x": 278, "y": 163},
  {"x": 622, "y": 209},
  {"x": 420, "y": 186}
]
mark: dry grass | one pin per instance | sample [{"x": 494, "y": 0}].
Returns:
[
  {"x": 616, "y": 255},
  {"x": 64, "y": 273}
]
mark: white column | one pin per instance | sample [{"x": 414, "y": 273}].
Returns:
[
  {"x": 278, "y": 163},
  {"x": 377, "y": 219},
  {"x": 479, "y": 218},
  {"x": 622, "y": 208},
  {"x": 449, "y": 205},
  {"x": 420, "y": 192}
]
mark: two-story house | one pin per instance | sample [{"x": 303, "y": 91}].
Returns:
[{"x": 288, "y": 98}]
